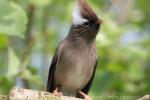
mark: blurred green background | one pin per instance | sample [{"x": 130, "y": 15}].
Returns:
[{"x": 30, "y": 30}]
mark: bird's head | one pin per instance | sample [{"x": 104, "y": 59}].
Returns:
[{"x": 85, "y": 21}]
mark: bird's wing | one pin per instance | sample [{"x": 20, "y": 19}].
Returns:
[
  {"x": 89, "y": 84},
  {"x": 51, "y": 82}
]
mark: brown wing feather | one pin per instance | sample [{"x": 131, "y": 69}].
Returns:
[{"x": 51, "y": 82}]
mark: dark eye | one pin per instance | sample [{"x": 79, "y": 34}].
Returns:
[{"x": 86, "y": 24}]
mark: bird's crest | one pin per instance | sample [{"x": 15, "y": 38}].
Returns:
[{"x": 83, "y": 13}]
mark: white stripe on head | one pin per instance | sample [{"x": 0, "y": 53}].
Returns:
[{"x": 77, "y": 18}]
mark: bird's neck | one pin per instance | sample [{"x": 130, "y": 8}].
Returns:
[{"x": 75, "y": 36}]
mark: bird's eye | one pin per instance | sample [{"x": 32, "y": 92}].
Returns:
[{"x": 86, "y": 24}]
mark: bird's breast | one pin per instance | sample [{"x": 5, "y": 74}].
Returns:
[{"x": 75, "y": 67}]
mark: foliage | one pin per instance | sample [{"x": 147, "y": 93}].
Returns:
[
  {"x": 13, "y": 18},
  {"x": 31, "y": 29}
]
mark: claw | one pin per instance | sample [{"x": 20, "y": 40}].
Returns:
[
  {"x": 57, "y": 93},
  {"x": 86, "y": 97}
]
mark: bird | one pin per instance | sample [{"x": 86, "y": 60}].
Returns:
[{"x": 73, "y": 65}]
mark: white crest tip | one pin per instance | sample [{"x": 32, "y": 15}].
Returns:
[{"x": 77, "y": 17}]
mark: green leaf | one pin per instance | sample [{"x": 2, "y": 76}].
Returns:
[
  {"x": 33, "y": 80},
  {"x": 3, "y": 41},
  {"x": 5, "y": 84},
  {"x": 13, "y": 63},
  {"x": 13, "y": 19},
  {"x": 40, "y": 3}
]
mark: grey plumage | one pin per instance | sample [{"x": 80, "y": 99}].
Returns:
[{"x": 74, "y": 63}]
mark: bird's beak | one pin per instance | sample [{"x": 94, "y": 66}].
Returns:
[{"x": 100, "y": 21}]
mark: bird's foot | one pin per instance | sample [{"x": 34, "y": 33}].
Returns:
[
  {"x": 86, "y": 97},
  {"x": 57, "y": 93}
]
